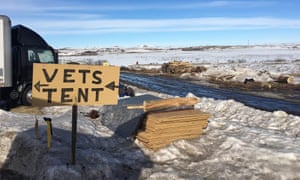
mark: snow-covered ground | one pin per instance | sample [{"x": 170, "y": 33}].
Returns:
[
  {"x": 262, "y": 63},
  {"x": 239, "y": 143},
  {"x": 125, "y": 57}
]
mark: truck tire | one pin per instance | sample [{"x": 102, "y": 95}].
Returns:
[{"x": 27, "y": 96}]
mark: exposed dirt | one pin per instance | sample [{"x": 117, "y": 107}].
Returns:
[{"x": 267, "y": 89}]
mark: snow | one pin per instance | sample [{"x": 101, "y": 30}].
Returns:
[
  {"x": 240, "y": 142},
  {"x": 262, "y": 63},
  {"x": 129, "y": 56}
]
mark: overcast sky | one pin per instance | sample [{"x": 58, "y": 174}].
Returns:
[{"x": 103, "y": 23}]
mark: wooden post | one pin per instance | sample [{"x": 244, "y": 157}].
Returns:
[{"x": 74, "y": 132}]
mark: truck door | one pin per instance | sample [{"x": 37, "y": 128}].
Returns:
[{"x": 27, "y": 60}]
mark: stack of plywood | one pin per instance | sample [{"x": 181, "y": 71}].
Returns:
[{"x": 160, "y": 128}]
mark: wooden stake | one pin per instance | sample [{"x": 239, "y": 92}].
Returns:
[
  {"x": 36, "y": 129},
  {"x": 49, "y": 131},
  {"x": 74, "y": 132}
]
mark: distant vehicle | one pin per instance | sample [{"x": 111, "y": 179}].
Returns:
[
  {"x": 102, "y": 63},
  {"x": 125, "y": 91},
  {"x": 105, "y": 63},
  {"x": 20, "y": 47}
]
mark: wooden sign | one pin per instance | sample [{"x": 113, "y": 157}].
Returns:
[{"x": 69, "y": 84}]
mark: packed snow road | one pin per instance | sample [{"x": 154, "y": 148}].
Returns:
[{"x": 177, "y": 87}]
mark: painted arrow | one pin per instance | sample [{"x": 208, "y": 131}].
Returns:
[
  {"x": 38, "y": 85},
  {"x": 112, "y": 86}
]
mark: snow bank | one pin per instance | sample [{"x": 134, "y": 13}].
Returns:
[
  {"x": 99, "y": 153},
  {"x": 240, "y": 142}
]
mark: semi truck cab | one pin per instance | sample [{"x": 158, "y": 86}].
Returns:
[{"x": 20, "y": 47}]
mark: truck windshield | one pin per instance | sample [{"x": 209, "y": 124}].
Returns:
[{"x": 40, "y": 55}]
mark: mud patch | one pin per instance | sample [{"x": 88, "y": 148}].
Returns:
[{"x": 27, "y": 110}]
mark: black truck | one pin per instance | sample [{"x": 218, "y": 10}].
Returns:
[{"x": 20, "y": 47}]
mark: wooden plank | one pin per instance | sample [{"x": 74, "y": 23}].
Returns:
[
  {"x": 148, "y": 136},
  {"x": 176, "y": 115},
  {"x": 155, "y": 145},
  {"x": 156, "y": 105},
  {"x": 158, "y": 126},
  {"x": 173, "y": 128},
  {"x": 173, "y": 122}
]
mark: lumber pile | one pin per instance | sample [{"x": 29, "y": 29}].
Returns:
[{"x": 163, "y": 126}]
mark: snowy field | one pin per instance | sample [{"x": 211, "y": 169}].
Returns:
[
  {"x": 239, "y": 143},
  {"x": 262, "y": 63},
  {"x": 125, "y": 57}
]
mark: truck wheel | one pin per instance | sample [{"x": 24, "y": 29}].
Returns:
[{"x": 27, "y": 96}]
